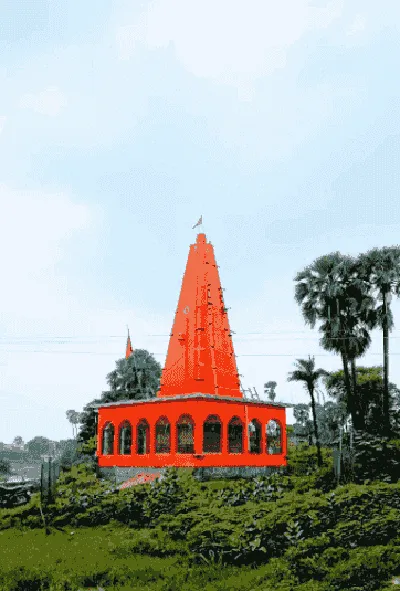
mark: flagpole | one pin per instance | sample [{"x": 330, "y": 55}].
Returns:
[{"x": 199, "y": 223}]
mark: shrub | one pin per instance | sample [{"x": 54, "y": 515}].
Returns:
[
  {"x": 365, "y": 568},
  {"x": 24, "y": 579}
]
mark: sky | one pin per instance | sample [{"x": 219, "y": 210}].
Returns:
[{"x": 122, "y": 122}]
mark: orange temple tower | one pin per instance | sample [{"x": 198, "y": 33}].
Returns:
[
  {"x": 199, "y": 417},
  {"x": 200, "y": 354}
]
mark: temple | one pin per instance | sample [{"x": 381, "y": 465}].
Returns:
[{"x": 199, "y": 417}]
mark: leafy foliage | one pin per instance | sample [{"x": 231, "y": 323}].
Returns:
[
  {"x": 38, "y": 446},
  {"x": 135, "y": 378},
  {"x": 296, "y": 530},
  {"x": 5, "y": 467}
]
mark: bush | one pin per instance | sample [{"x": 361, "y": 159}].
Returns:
[
  {"x": 25, "y": 579},
  {"x": 376, "y": 458},
  {"x": 365, "y": 569}
]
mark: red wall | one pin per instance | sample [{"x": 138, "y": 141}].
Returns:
[{"x": 198, "y": 409}]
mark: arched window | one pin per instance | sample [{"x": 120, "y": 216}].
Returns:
[
  {"x": 143, "y": 437},
  {"x": 108, "y": 439},
  {"x": 254, "y": 437},
  {"x": 212, "y": 429},
  {"x": 235, "y": 436},
  {"x": 163, "y": 436},
  {"x": 125, "y": 438},
  {"x": 185, "y": 435},
  {"x": 273, "y": 432}
]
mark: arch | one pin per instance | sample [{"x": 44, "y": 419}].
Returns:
[
  {"x": 273, "y": 436},
  {"x": 185, "y": 435},
  {"x": 255, "y": 437},
  {"x": 107, "y": 448},
  {"x": 163, "y": 436},
  {"x": 212, "y": 434},
  {"x": 235, "y": 436},
  {"x": 125, "y": 438},
  {"x": 143, "y": 437}
]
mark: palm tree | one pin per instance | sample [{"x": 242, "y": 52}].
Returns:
[
  {"x": 305, "y": 372},
  {"x": 331, "y": 291},
  {"x": 74, "y": 418},
  {"x": 269, "y": 389},
  {"x": 380, "y": 269},
  {"x": 112, "y": 381}
]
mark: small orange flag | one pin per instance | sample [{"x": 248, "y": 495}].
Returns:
[{"x": 198, "y": 223}]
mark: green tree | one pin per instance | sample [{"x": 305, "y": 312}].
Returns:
[
  {"x": 74, "y": 418},
  {"x": 269, "y": 390},
  {"x": 330, "y": 291},
  {"x": 371, "y": 387},
  {"x": 380, "y": 269},
  {"x": 38, "y": 446},
  {"x": 135, "y": 378},
  {"x": 69, "y": 453},
  {"x": 89, "y": 421},
  {"x": 305, "y": 372},
  {"x": 302, "y": 427},
  {"x": 5, "y": 467},
  {"x": 330, "y": 417}
]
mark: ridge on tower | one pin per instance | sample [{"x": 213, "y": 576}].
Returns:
[{"x": 200, "y": 356}]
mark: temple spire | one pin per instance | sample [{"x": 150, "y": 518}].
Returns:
[
  {"x": 200, "y": 356},
  {"x": 129, "y": 349}
]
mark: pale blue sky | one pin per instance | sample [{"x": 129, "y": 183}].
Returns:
[{"x": 122, "y": 122}]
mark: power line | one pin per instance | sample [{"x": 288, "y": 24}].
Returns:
[
  {"x": 164, "y": 354},
  {"x": 93, "y": 340}
]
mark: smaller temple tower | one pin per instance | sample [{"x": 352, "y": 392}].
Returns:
[{"x": 129, "y": 349}]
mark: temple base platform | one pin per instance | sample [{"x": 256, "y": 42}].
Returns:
[{"x": 118, "y": 474}]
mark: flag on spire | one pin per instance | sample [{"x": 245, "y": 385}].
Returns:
[
  {"x": 129, "y": 349},
  {"x": 198, "y": 223}
]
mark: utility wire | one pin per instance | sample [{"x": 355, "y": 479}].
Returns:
[
  {"x": 94, "y": 340},
  {"x": 164, "y": 354}
]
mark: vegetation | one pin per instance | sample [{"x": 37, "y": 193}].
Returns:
[
  {"x": 5, "y": 467},
  {"x": 305, "y": 372},
  {"x": 288, "y": 531},
  {"x": 135, "y": 378},
  {"x": 307, "y": 529}
]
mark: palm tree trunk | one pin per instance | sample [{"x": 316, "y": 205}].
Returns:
[
  {"x": 319, "y": 457},
  {"x": 350, "y": 398},
  {"x": 385, "y": 332},
  {"x": 357, "y": 402}
]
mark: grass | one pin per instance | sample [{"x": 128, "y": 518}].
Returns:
[{"x": 108, "y": 557}]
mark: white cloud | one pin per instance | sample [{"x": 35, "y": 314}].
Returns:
[
  {"x": 229, "y": 41},
  {"x": 3, "y": 120},
  {"x": 49, "y": 102}
]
